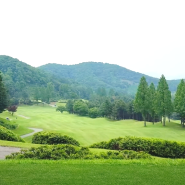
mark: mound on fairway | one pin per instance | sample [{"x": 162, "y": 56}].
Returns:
[{"x": 8, "y": 135}]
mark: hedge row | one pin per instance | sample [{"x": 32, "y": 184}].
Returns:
[
  {"x": 156, "y": 147},
  {"x": 8, "y": 135},
  {"x": 57, "y": 152},
  {"x": 53, "y": 138},
  {"x": 7, "y": 124}
]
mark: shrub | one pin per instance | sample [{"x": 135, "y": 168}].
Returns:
[
  {"x": 60, "y": 109},
  {"x": 53, "y": 138},
  {"x": 57, "y": 152},
  {"x": 93, "y": 112},
  {"x": 8, "y": 135},
  {"x": 156, "y": 147},
  {"x": 7, "y": 124}
]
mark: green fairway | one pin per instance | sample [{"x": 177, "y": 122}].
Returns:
[
  {"x": 86, "y": 130},
  {"x": 95, "y": 172}
]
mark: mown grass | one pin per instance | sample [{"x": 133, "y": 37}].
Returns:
[
  {"x": 86, "y": 130},
  {"x": 95, "y": 172}
]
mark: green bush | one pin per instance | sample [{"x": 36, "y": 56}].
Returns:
[
  {"x": 156, "y": 147},
  {"x": 56, "y": 152},
  {"x": 53, "y": 138},
  {"x": 7, "y": 124},
  {"x": 93, "y": 112},
  {"x": 8, "y": 135}
]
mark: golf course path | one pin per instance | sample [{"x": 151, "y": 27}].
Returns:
[
  {"x": 7, "y": 151},
  {"x": 24, "y": 117},
  {"x": 35, "y": 130}
]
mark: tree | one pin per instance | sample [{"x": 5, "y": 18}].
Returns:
[
  {"x": 163, "y": 100},
  {"x": 69, "y": 106},
  {"x": 3, "y": 96},
  {"x": 12, "y": 109},
  {"x": 36, "y": 94},
  {"x": 106, "y": 108},
  {"x": 93, "y": 112},
  {"x": 141, "y": 103},
  {"x": 152, "y": 99},
  {"x": 80, "y": 108},
  {"x": 179, "y": 101},
  {"x": 61, "y": 109},
  {"x": 49, "y": 91},
  {"x": 118, "y": 110}
]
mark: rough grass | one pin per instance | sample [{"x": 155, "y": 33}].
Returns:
[
  {"x": 87, "y": 130},
  {"x": 93, "y": 172}
]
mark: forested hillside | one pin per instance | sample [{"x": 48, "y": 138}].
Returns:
[
  {"x": 96, "y": 74},
  {"x": 24, "y": 81}
]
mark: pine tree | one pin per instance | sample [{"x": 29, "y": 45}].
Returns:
[
  {"x": 163, "y": 99},
  {"x": 141, "y": 103},
  {"x": 152, "y": 99},
  {"x": 179, "y": 102},
  {"x": 3, "y": 96}
]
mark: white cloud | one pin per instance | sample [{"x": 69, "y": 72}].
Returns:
[{"x": 144, "y": 36}]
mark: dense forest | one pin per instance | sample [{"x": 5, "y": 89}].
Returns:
[
  {"x": 97, "y": 74},
  {"x": 24, "y": 82}
]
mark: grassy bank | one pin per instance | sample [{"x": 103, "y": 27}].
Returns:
[{"x": 153, "y": 172}]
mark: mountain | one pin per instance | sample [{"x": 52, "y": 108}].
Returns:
[
  {"x": 21, "y": 79},
  {"x": 97, "y": 74}
]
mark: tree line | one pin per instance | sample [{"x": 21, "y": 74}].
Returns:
[{"x": 151, "y": 104}]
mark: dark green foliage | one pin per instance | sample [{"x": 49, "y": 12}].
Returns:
[
  {"x": 7, "y": 124},
  {"x": 8, "y": 135},
  {"x": 118, "y": 110},
  {"x": 179, "y": 102},
  {"x": 60, "y": 109},
  {"x": 106, "y": 108},
  {"x": 163, "y": 99},
  {"x": 57, "y": 152},
  {"x": 93, "y": 112},
  {"x": 97, "y": 75},
  {"x": 3, "y": 96},
  {"x": 152, "y": 102},
  {"x": 156, "y": 147},
  {"x": 53, "y": 138},
  {"x": 80, "y": 108},
  {"x": 69, "y": 106},
  {"x": 141, "y": 103}
]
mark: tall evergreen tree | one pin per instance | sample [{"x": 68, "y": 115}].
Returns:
[
  {"x": 163, "y": 103},
  {"x": 3, "y": 96},
  {"x": 152, "y": 99},
  {"x": 141, "y": 103},
  {"x": 179, "y": 102}
]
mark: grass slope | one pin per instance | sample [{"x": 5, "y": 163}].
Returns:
[
  {"x": 86, "y": 130},
  {"x": 94, "y": 172}
]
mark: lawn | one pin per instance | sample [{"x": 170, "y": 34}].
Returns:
[
  {"x": 86, "y": 130},
  {"x": 95, "y": 172}
]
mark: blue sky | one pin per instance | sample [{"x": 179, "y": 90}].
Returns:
[{"x": 144, "y": 36}]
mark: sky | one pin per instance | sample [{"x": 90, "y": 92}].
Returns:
[{"x": 143, "y": 36}]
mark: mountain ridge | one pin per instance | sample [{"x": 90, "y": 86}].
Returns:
[{"x": 121, "y": 77}]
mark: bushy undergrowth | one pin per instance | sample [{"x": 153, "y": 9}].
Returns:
[
  {"x": 53, "y": 138},
  {"x": 8, "y": 135},
  {"x": 156, "y": 147},
  {"x": 7, "y": 124},
  {"x": 56, "y": 152}
]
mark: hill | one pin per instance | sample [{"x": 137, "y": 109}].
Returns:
[
  {"x": 22, "y": 79},
  {"x": 97, "y": 74}
]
